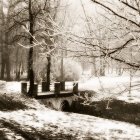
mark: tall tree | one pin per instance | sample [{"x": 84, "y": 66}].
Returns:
[
  {"x": 30, "y": 59},
  {"x": 5, "y": 60},
  {"x": 35, "y": 18}
]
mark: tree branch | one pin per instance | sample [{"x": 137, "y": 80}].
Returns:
[
  {"x": 130, "y": 6},
  {"x": 120, "y": 16}
]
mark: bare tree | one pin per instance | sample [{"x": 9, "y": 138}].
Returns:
[
  {"x": 35, "y": 17},
  {"x": 127, "y": 13}
]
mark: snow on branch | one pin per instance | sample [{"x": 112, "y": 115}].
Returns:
[{"x": 115, "y": 13}]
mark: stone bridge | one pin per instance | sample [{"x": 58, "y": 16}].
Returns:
[{"x": 60, "y": 97}]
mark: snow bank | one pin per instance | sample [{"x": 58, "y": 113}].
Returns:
[
  {"x": 2, "y": 84},
  {"x": 10, "y": 87}
]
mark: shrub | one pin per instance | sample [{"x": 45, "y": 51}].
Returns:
[{"x": 8, "y": 103}]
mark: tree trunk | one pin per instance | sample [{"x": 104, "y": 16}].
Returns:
[
  {"x": 5, "y": 59},
  {"x": 62, "y": 68},
  {"x": 8, "y": 68},
  {"x": 48, "y": 73},
  {"x": 5, "y": 66},
  {"x": 2, "y": 68},
  {"x": 18, "y": 72},
  {"x": 94, "y": 70},
  {"x": 30, "y": 59},
  {"x": 30, "y": 71},
  {"x": 102, "y": 67}
]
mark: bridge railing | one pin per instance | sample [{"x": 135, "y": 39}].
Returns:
[{"x": 56, "y": 87}]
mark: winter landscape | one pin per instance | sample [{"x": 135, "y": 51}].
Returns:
[{"x": 69, "y": 70}]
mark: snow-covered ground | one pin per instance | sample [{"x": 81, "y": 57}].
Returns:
[
  {"x": 117, "y": 87},
  {"x": 80, "y": 127},
  {"x": 10, "y": 87},
  {"x": 104, "y": 87}
]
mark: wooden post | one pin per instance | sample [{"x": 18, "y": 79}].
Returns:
[
  {"x": 62, "y": 86},
  {"x": 57, "y": 88},
  {"x": 35, "y": 90},
  {"x": 24, "y": 87},
  {"x": 75, "y": 88},
  {"x": 44, "y": 86}
]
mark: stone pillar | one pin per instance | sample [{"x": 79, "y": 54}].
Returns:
[
  {"x": 62, "y": 86},
  {"x": 75, "y": 88},
  {"x": 24, "y": 87},
  {"x": 57, "y": 88},
  {"x": 35, "y": 90},
  {"x": 44, "y": 86}
]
